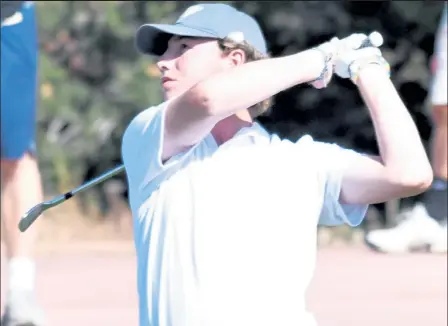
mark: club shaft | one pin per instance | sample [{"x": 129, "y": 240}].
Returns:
[
  {"x": 37, "y": 210},
  {"x": 94, "y": 181}
]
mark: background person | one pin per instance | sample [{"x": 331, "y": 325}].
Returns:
[{"x": 20, "y": 177}]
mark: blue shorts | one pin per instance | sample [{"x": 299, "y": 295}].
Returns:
[{"x": 19, "y": 85}]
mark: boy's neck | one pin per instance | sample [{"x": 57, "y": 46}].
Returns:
[{"x": 225, "y": 129}]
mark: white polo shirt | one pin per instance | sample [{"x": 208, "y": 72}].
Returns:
[{"x": 226, "y": 236}]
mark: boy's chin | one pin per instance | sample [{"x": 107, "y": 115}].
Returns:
[{"x": 170, "y": 94}]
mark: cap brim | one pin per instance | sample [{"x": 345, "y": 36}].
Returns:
[{"x": 150, "y": 37}]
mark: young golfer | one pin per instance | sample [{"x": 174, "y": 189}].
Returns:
[{"x": 225, "y": 214}]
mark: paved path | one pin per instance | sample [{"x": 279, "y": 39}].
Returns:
[{"x": 352, "y": 287}]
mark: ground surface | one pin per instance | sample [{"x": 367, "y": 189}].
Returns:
[{"x": 94, "y": 284}]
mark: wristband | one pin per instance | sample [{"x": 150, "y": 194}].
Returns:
[{"x": 326, "y": 72}]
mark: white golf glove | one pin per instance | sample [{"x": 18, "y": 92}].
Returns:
[
  {"x": 352, "y": 56},
  {"x": 330, "y": 51}
]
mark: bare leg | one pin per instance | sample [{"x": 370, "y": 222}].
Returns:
[
  {"x": 439, "y": 148},
  {"x": 21, "y": 189},
  {"x": 435, "y": 199}
]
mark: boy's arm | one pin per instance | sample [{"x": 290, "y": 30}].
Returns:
[
  {"x": 403, "y": 168},
  {"x": 192, "y": 115}
]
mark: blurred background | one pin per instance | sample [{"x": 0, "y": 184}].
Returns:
[{"x": 93, "y": 82}]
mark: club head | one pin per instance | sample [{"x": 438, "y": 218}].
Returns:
[{"x": 29, "y": 217}]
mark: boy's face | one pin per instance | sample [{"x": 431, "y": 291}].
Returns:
[{"x": 188, "y": 61}]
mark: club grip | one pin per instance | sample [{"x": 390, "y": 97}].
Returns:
[{"x": 374, "y": 39}]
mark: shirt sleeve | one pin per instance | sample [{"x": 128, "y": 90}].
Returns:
[
  {"x": 333, "y": 160},
  {"x": 142, "y": 147},
  {"x": 9, "y": 8}
]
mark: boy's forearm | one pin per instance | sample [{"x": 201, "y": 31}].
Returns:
[
  {"x": 399, "y": 142},
  {"x": 239, "y": 88},
  {"x": 193, "y": 114}
]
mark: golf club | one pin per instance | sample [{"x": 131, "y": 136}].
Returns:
[
  {"x": 374, "y": 39},
  {"x": 29, "y": 217}
]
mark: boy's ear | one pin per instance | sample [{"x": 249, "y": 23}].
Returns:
[{"x": 236, "y": 57}]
